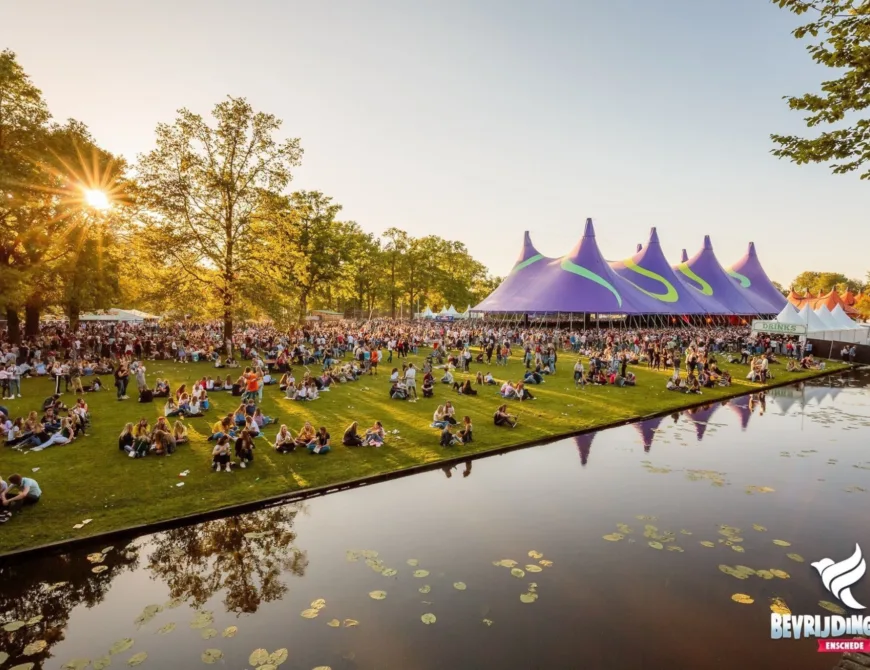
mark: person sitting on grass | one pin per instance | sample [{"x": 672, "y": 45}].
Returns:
[
  {"x": 398, "y": 391},
  {"x": 305, "y": 435},
  {"x": 244, "y": 448},
  {"x": 375, "y": 436},
  {"x": 351, "y": 437},
  {"x": 448, "y": 439},
  {"x": 179, "y": 433},
  {"x": 41, "y": 439},
  {"x": 162, "y": 442},
  {"x": 466, "y": 433},
  {"x": 284, "y": 442},
  {"x": 221, "y": 427},
  {"x": 502, "y": 418},
  {"x": 694, "y": 386},
  {"x": 394, "y": 376},
  {"x": 261, "y": 419},
  {"x": 252, "y": 427},
  {"x": 28, "y": 493},
  {"x": 228, "y": 383},
  {"x": 533, "y": 377},
  {"x": 428, "y": 386},
  {"x": 141, "y": 439},
  {"x": 220, "y": 455},
  {"x": 465, "y": 388},
  {"x": 478, "y": 378},
  {"x": 523, "y": 393},
  {"x": 439, "y": 418},
  {"x": 489, "y": 380},
  {"x": 239, "y": 416},
  {"x": 320, "y": 445},
  {"x": 126, "y": 440},
  {"x": 508, "y": 391},
  {"x": 447, "y": 378}
]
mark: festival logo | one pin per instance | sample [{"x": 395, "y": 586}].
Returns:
[{"x": 838, "y": 578}]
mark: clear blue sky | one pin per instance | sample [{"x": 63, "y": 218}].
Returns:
[{"x": 479, "y": 119}]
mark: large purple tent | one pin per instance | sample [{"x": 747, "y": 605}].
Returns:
[
  {"x": 707, "y": 277},
  {"x": 649, "y": 271},
  {"x": 754, "y": 282}
]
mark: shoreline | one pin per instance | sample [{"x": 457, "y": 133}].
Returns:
[{"x": 316, "y": 491}]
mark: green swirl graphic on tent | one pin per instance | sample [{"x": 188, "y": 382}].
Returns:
[
  {"x": 743, "y": 279},
  {"x": 670, "y": 294},
  {"x": 706, "y": 289},
  {"x": 526, "y": 263},
  {"x": 588, "y": 274}
]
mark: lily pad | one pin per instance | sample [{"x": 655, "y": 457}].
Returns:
[
  {"x": 310, "y": 613},
  {"x": 278, "y": 656},
  {"x": 425, "y": 588},
  {"x": 534, "y": 568},
  {"x": 742, "y": 598},
  {"x": 459, "y": 586},
  {"x": 106, "y": 550},
  {"x": 75, "y": 664},
  {"x": 519, "y": 574},
  {"x": 413, "y": 562},
  {"x": 350, "y": 623},
  {"x": 319, "y": 667},
  {"x": 96, "y": 558},
  {"x": 34, "y": 620},
  {"x": 137, "y": 659},
  {"x": 673, "y": 547},
  {"x": 796, "y": 557},
  {"x": 421, "y": 573},
  {"x": 35, "y": 648},
  {"x": 764, "y": 574},
  {"x": 778, "y": 606},
  {"x": 782, "y": 574},
  {"x": 202, "y": 619},
  {"x": 12, "y": 626},
  {"x": 655, "y": 545},
  {"x": 546, "y": 563},
  {"x": 506, "y": 563},
  {"x": 25, "y": 666},
  {"x": 685, "y": 532},
  {"x": 369, "y": 553},
  {"x": 832, "y": 607},
  {"x": 428, "y": 618},
  {"x": 535, "y": 554},
  {"x": 389, "y": 572},
  {"x": 208, "y": 633},
  {"x": 211, "y": 656},
  {"x": 230, "y": 631},
  {"x": 148, "y": 613},
  {"x": 707, "y": 543},
  {"x": 529, "y": 597},
  {"x": 375, "y": 595},
  {"x": 121, "y": 646},
  {"x": 258, "y": 657},
  {"x": 333, "y": 623},
  {"x": 487, "y": 622},
  {"x": 759, "y": 527},
  {"x": 102, "y": 663},
  {"x": 168, "y": 628},
  {"x": 782, "y": 543},
  {"x": 318, "y": 604},
  {"x": 613, "y": 537},
  {"x": 99, "y": 569},
  {"x": 738, "y": 548}
]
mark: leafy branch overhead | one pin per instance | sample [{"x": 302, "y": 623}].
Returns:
[{"x": 840, "y": 39}]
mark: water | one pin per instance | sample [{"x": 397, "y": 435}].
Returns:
[{"x": 600, "y": 605}]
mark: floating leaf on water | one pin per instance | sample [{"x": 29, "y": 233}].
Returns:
[
  {"x": 782, "y": 543},
  {"x": 796, "y": 557},
  {"x": 211, "y": 656},
  {"x": 428, "y": 618},
  {"x": 685, "y": 532},
  {"x": 121, "y": 646},
  {"x": 459, "y": 586},
  {"x": 613, "y": 537},
  {"x": 832, "y": 607},
  {"x": 278, "y": 656},
  {"x": 506, "y": 563},
  {"x": 534, "y": 568},
  {"x": 413, "y": 562},
  {"x": 673, "y": 547},
  {"x": 318, "y": 604},
  {"x": 35, "y": 648},
  {"x": 3, "y": 657},
  {"x": 333, "y": 623},
  {"x": 737, "y": 548},
  {"x": 96, "y": 558},
  {"x": 623, "y": 528},
  {"x": 254, "y": 536},
  {"x": 99, "y": 568},
  {"x": 519, "y": 574},
  {"x": 389, "y": 572},
  {"x": 202, "y": 619},
  {"x": 106, "y": 550},
  {"x": 173, "y": 604},
  {"x": 137, "y": 659},
  {"x": 25, "y": 666},
  {"x": 148, "y": 613},
  {"x": 12, "y": 626},
  {"x": 488, "y": 622},
  {"x": 75, "y": 664},
  {"x": 102, "y": 663},
  {"x": 168, "y": 628},
  {"x": 421, "y": 573},
  {"x": 765, "y": 574},
  {"x": 208, "y": 633},
  {"x": 546, "y": 563},
  {"x": 645, "y": 517},
  {"x": 707, "y": 543},
  {"x": 759, "y": 527},
  {"x": 230, "y": 631},
  {"x": 350, "y": 623},
  {"x": 734, "y": 572},
  {"x": 742, "y": 598},
  {"x": 310, "y": 613},
  {"x": 778, "y": 606},
  {"x": 655, "y": 545},
  {"x": 759, "y": 489},
  {"x": 352, "y": 556},
  {"x": 258, "y": 657},
  {"x": 782, "y": 574},
  {"x": 369, "y": 553},
  {"x": 319, "y": 667},
  {"x": 535, "y": 554},
  {"x": 425, "y": 588},
  {"x": 376, "y": 595},
  {"x": 528, "y": 597}
]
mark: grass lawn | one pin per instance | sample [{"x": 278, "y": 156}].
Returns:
[{"x": 92, "y": 479}]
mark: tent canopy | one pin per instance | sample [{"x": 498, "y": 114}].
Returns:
[
  {"x": 789, "y": 315},
  {"x": 814, "y": 324},
  {"x": 753, "y": 281}
]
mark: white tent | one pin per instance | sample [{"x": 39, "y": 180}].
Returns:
[
  {"x": 125, "y": 315},
  {"x": 808, "y": 318},
  {"x": 824, "y": 315},
  {"x": 451, "y": 311},
  {"x": 789, "y": 315},
  {"x": 840, "y": 317},
  {"x": 428, "y": 313}
]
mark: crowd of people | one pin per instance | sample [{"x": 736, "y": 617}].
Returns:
[{"x": 339, "y": 353}]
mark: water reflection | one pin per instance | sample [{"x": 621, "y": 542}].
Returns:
[
  {"x": 584, "y": 445},
  {"x": 466, "y": 469}
]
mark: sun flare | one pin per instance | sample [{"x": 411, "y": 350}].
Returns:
[{"x": 97, "y": 199}]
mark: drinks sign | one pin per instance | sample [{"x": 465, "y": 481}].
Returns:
[{"x": 760, "y": 326}]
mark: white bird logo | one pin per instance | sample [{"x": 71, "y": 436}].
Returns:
[{"x": 839, "y": 577}]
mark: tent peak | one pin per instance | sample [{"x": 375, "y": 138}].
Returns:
[
  {"x": 527, "y": 239},
  {"x": 751, "y": 250},
  {"x": 639, "y": 248},
  {"x": 653, "y": 236},
  {"x": 589, "y": 229},
  {"x": 684, "y": 257},
  {"x": 707, "y": 243}
]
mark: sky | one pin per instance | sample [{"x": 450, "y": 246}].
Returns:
[{"x": 477, "y": 120}]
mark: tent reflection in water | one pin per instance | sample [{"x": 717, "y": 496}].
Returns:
[
  {"x": 647, "y": 431},
  {"x": 701, "y": 416},
  {"x": 584, "y": 445}
]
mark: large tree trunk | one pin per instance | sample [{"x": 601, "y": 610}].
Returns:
[
  {"x": 31, "y": 318},
  {"x": 73, "y": 310},
  {"x": 13, "y": 325},
  {"x": 303, "y": 306}
]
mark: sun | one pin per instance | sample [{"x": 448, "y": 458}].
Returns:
[{"x": 97, "y": 199}]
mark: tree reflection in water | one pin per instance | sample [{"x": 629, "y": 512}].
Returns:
[
  {"x": 243, "y": 555},
  {"x": 51, "y": 588}
]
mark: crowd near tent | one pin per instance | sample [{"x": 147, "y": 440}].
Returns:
[{"x": 645, "y": 284}]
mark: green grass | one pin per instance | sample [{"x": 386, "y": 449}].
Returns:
[{"x": 92, "y": 479}]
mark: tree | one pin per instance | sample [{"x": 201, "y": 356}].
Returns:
[
  {"x": 844, "y": 45},
  {"x": 823, "y": 282},
  {"x": 203, "y": 186},
  {"x": 779, "y": 287}
]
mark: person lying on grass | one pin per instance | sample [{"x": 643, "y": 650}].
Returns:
[
  {"x": 220, "y": 455},
  {"x": 320, "y": 445},
  {"x": 375, "y": 436},
  {"x": 245, "y": 448},
  {"x": 502, "y": 418},
  {"x": 28, "y": 493},
  {"x": 41, "y": 439}
]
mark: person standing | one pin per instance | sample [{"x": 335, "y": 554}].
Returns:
[
  {"x": 122, "y": 376},
  {"x": 411, "y": 379}
]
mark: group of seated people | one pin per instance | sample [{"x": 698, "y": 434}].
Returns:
[
  {"x": 518, "y": 391},
  {"x": 805, "y": 363},
  {"x": 244, "y": 451},
  {"x": 49, "y": 430},
  {"x": 139, "y": 440}
]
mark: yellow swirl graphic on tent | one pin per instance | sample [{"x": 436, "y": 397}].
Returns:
[
  {"x": 669, "y": 296},
  {"x": 706, "y": 289},
  {"x": 588, "y": 274},
  {"x": 527, "y": 262},
  {"x": 743, "y": 279}
]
